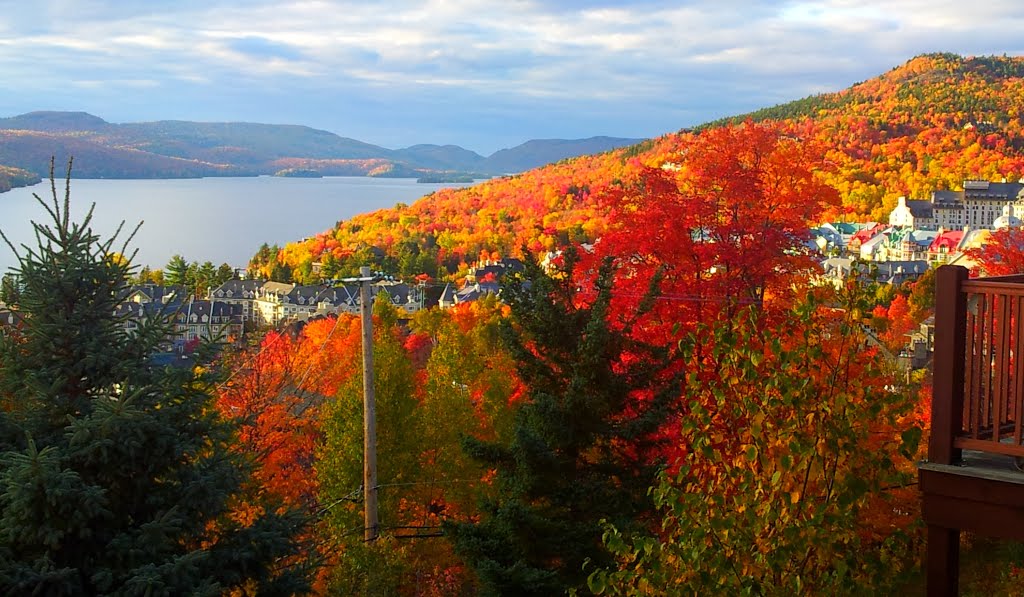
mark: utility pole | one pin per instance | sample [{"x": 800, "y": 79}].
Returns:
[{"x": 370, "y": 524}]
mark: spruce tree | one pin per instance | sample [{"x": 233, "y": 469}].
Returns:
[
  {"x": 117, "y": 475},
  {"x": 176, "y": 271},
  {"x": 580, "y": 444}
]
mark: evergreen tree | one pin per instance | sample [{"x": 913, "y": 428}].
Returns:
[
  {"x": 116, "y": 475},
  {"x": 8, "y": 289},
  {"x": 176, "y": 271},
  {"x": 224, "y": 273},
  {"x": 579, "y": 444}
]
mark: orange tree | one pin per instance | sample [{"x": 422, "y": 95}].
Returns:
[
  {"x": 795, "y": 435},
  {"x": 723, "y": 220},
  {"x": 1002, "y": 255}
]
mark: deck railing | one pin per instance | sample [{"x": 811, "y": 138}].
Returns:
[{"x": 978, "y": 397}]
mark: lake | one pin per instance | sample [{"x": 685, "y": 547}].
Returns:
[{"x": 223, "y": 220}]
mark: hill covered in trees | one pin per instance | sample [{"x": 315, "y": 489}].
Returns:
[
  {"x": 175, "y": 149},
  {"x": 16, "y": 177},
  {"x": 929, "y": 124}
]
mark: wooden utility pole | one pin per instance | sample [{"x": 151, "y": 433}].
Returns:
[{"x": 370, "y": 525}]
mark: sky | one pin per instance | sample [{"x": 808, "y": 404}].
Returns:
[{"x": 482, "y": 74}]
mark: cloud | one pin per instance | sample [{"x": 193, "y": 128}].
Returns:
[{"x": 394, "y": 72}]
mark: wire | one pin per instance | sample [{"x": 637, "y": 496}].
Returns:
[
  {"x": 415, "y": 483},
  {"x": 250, "y": 359},
  {"x": 313, "y": 361}
]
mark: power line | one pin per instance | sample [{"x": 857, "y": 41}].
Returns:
[{"x": 415, "y": 483}]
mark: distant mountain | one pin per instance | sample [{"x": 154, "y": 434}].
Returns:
[
  {"x": 176, "y": 148},
  {"x": 54, "y": 122},
  {"x": 539, "y": 152},
  {"x": 97, "y": 158},
  {"x": 442, "y": 157},
  {"x": 229, "y": 141}
]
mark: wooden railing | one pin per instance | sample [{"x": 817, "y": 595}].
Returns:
[{"x": 978, "y": 398}]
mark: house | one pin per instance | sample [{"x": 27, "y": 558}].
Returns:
[
  {"x": 866, "y": 233},
  {"x": 827, "y": 238},
  {"x": 269, "y": 304},
  {"x": 338, "y": 299},
  {"x": 945, "y": 245},
  {"x": 276, "y": 302},
  {"x": 905, "y": 244},
  {"x": 447, "y": 299},
  {"x": 404, "y": 297},
  {"x": 898, "y": 272},
  {"x": 973, "y": 239},
  {"x": 215, "y": 321},
  {"x": 868, "y": 245},
  {"x": 474, "y": 292},
  {"x": 913, "y": 214},
  {"x": 836, "y": 270},
  {"x": 917, "y": 352},
  {"x": 155, "y": 293}
]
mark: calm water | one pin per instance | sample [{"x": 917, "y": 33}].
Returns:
[{"x": 223, "y": 220}]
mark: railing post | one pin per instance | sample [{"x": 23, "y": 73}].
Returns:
[{"x": 948, "y": 375}]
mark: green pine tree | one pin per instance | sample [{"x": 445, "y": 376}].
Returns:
[
  {"x": 117, "y": 476},
  {"x": 573, "y": 458},
  {"x": 176, "y": 271}
]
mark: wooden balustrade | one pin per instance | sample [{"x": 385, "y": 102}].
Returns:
[
  {"x": 979, "y": 369},
  {"x": 978, "y": 407}
]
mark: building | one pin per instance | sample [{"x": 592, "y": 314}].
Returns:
[
  {"x": 946, "y": 244},
  {"x": 1007, "y": 220},
  {"x": 977, "y": 205},
  {"x": 191, "y": 319},
  {"x": 144, "y": 294},
  {"x": 207, "y": 320},
  {"x": 836, "y": 270},
  {"x": 238, "y": 292},
  {"x": 905, "y": 244},
  {"x": 275, "y": 302}
]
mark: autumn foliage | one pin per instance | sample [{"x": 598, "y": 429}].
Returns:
[
  {"x": 1001, "y": 255},
  {"x": 721, "y": 222},
  {"x": 929, "y": 124},
  {"x": 791, "y": 446},
  {"x": 508, "y": 431}
]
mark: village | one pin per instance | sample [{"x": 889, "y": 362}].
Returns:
[{"x": 920, "y": 235}]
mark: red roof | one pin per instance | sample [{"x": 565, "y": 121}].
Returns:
[{"x": 947, "y": 240}]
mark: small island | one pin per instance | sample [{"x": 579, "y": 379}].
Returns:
[
  {"x": 12, "y": 178},
  {"x": 445, "y": 178},
  {"x": 299, "y": 173}
]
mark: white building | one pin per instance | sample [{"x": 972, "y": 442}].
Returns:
[{"x": 977, "y": 206}]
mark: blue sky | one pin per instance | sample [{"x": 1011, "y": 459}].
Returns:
[{"x": 482, "y": 74}]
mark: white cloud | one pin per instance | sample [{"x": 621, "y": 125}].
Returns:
[{"x": 658, "y": 58}]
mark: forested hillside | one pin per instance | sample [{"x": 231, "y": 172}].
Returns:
[
  {"x": 929, "y": 124},
  {"x": 15, "y": 177}
]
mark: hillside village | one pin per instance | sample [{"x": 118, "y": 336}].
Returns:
[
  {"x": 920, "y": 235},
  {"x": 227, "y": 312}
]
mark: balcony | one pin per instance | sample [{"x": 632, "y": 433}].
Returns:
[{"x": 971, "y": 481}]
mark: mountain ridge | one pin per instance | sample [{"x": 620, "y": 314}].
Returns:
[{"x": 179, "y": 148}]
